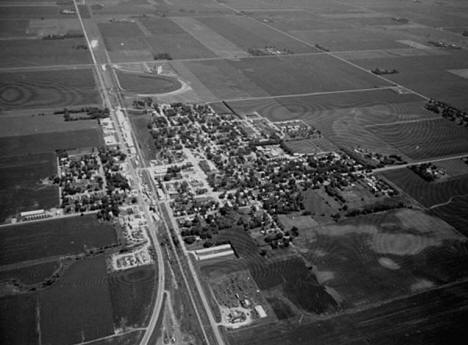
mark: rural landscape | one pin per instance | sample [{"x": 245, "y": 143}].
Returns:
[{"x": 233, "y": 172}]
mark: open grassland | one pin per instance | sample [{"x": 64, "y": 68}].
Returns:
[
  {"x": 30, "y": 274},
  {"x": 47, "y": 89},
  {"x": 49, "y": 142},
  {"x": 425, "y": 139},
  {"x": 27, "y": 52},
  {"x": 428, "y": 193},
  {"x": 18, "y": 320},
  {"x": 140, "y": 83},
  {"x": 430, "y": 318},
  {"x": 78, "y": 307},
  {"x": 21, "y": 187},
  {"x": 65, "y": 236},
  {"x": 131, "y": 294},
  {"x": 248, "y": 33}
]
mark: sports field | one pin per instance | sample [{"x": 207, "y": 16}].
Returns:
[{"x": 140, "y": 83}]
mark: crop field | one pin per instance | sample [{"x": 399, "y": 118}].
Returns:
[
  {"x": 64, "y": 236},
  {"x": 119, "y": 29},
  {"x": 147, "y": 84},
  {"x": 78, "y": 307},
  {"x": 18, "y": 125},
  {"x": 28, "y": 52},
  {"x": 418, "y": 74},
  {"x": 455, "y": 213},
  {"x": 47, "y": 89},
  {"x": 131, "y": 294},
  {"x": 308, "y": 146},
  {"x": 18, "y": 320},
  {"x": 178, "y": 46},
  {"x": 13, "y": 28},
  {"x": 304, "y": 74},
  {"x": 21, "y": 187},
  {"x": 374, "y": 258},
  {"x": 157, "y": 26},
  {"x": 30, "y": 274},
  {"x": 300, "y": 286},
  {"x": 289, "y": 108},
  {"x": 424, "y": 139},
  {"x": 49, "y": 142},
  {"x": 429, "y": 194},
  {"x": 29, "y": 12},
  {"x": 248, "y": 33},
  {"x": 439, "y": 315}
]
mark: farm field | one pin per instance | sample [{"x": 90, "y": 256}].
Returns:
[
  {"x": 49, "y": 142},
  {"x": 27, "y": 52},
  {"x": 131, "y": 295},
  {"x": 47, "y": 89},
  {"x": 454, "y": 213},
  {"x": 249, "y": 34},
  {"x": 429, "y": 194},
  {"x": 19, "y": 125},
  {"x": 13, "y": 28},
  {"x": 140, "y": 83},
  {"x": 18, "y": 313},
  {"x": 65, "y": 236},
  {"x": 78, "y": 307},
  {"x": 438, "y": 314},
  {"x": 30, "y": 274},
  {"x": 426, "y": 139},
  {"x": 21, "y": 187}
]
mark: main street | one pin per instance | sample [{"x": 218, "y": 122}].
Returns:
[
  {"x": 106, "y": 84},
  {"x": 108, "y": 81}
]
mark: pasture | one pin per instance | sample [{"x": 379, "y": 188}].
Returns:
[
  {"x": 47, "y": 89},
  {"x": 58, "y": 237},
  {"x": 132, "y": 294},
  {"x": 27, "y": 52},
  {"x": 49, "y": 142},
  {"x": 78, "y": 307},
  {"x": 21, "y": 187}
]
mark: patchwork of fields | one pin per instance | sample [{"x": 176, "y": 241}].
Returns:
[{"x": 394, "y": 275}]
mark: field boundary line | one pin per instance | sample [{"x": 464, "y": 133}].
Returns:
[
  {"x": 141, "y": 329},
  {"x": 402, "y": 122},
  {"x": 449, "y": 201},
  {"x": 46, "y": 68},
  {"x": 317, "y": 93},
  {"x": 334, "y": 56}
]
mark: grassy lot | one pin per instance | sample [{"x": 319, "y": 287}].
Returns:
[
  {"x": 145, "y": 140},
  {"x": 25, "y": 52},
  {"x": 65, "y": 236},
  {"x": 427, "y": 193},
  {"x": 425, "y": 139},
  {"x": 49, "y": 142},
  {"x": 47, "y": 89},
  {"x": 31, "y": 274},
  {"x": 308, "y": 146},
  {"x": 18, "y": 320},
  {"x": 147, "y": 84},
  {"x": 131, "y": 294},
  {"x": 78, "y": 307}
]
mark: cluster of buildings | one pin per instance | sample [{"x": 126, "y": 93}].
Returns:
[{"x": 448, "y": 112}]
